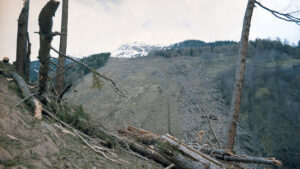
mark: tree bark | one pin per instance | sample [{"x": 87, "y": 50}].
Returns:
[
  {"x": 45, "y": 23},
  {"x": 23, "y": 48},
  {"x": 63, "y": 46},
  {"x": 33, "y": 102},
  {"x": 237, "y": 94}
]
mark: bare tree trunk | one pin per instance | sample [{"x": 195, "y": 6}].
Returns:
[
  {"x": 34, "y": 103},
  {"x": 62, "y": 47},
  {"x": 46, "y": 35},
  {"x": 27, "y": 63},
  {"x": 236, "y": 97},
  {"x": 23, "y": 59}
]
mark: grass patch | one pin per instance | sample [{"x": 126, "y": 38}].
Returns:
[
  {"x": 9, "y": 163},
  {"x": 73, "y": 115}
]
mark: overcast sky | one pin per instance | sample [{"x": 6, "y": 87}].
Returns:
[{"x": 103, "y": 25}]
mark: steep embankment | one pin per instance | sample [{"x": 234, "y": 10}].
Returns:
[{"x": 29, "y": 143}]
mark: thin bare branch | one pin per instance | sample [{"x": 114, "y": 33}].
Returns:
[
  {"x": 209, "y": 123},
  {"x": 69, "y": 67},
  {"x": 116, "y": 89},
  {"x": 284, "y": 16},
  {"x": 53, "y": 63}
]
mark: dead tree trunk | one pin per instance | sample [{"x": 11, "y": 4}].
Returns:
[
  {"x": 33, "y": 102},
  {"x": 27, "y": 63},
  {"x": 62, "y": 47},
  {"x": 46, "y": 35},
  {"x": 23, "y": 59},
  {"x": 236, "y": 97}
]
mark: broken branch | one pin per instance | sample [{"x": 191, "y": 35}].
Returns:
[
  {"x": 284, "y": 16},
  {"x": 210, "y": 126},
  {"x": 116, "y": 89}
]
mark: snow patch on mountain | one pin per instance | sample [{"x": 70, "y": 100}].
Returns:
[{"x": 133, "y": 50}]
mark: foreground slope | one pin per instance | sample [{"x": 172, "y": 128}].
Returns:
[{"x": 29, "y": 143}]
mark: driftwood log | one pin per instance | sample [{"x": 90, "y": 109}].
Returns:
[
  {"x": 33, "y": 102},
  {"x": 46, "y": 35}
]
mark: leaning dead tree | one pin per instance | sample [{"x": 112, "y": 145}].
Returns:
[
  {"x": 23, "y": 44},
  {"x": 62, "y": 47},
  {"x": 46, "y": 35},
  {"x": 237, "y": 95}
]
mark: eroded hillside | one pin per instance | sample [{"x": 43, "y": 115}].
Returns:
[{"x": 165, "y": 92}]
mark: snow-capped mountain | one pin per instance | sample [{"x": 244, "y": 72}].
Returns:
[{"x": 136, "y": 49}]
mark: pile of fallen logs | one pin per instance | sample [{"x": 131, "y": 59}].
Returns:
[{"x": 178, "y": 153}]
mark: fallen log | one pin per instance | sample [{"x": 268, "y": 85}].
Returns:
[
  {"x": 146, "y": 152},
  {"x": 215, "y": 151},
  {"x": 203, "y": 158},
  {"x": 228, "y": 156},
  {"x": 248, "y": 159},
  {"x": 175, "y": 152},
  {"x": 34, "y": 103}
]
